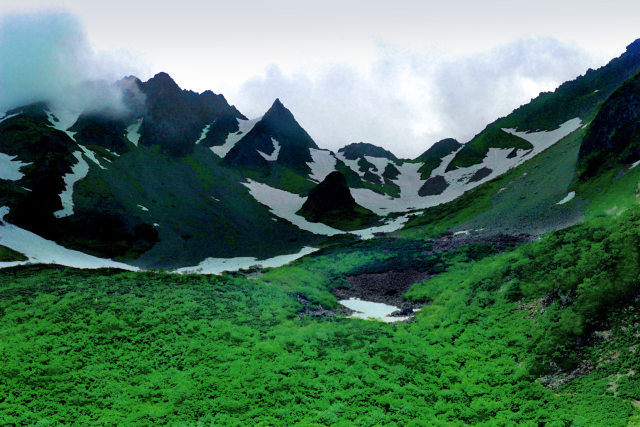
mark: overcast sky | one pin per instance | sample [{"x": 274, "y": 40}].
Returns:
[{"x": 400, "y": 74}]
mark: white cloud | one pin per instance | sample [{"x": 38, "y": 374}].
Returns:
[
  {"x": 47, "y": 57},
  {"x": 405, "y": 101}
]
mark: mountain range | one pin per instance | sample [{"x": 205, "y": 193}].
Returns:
[{"x": 178, "y": 177}]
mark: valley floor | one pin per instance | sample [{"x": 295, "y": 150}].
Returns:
[{"x": 494, "y": 344}]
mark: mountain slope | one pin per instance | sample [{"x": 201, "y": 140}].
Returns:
[{"x": 578, "y": 98}]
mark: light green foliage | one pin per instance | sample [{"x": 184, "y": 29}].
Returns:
[{"x": 114, "y": 347}]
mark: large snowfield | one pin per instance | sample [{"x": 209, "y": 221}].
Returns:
[{"x": 40, "y": 250}]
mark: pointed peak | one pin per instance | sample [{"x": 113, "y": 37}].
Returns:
[
  {"x": 163, "y": 80},
  {"x": 279, "y": 112},
  {"x": 278, "y": 106}
]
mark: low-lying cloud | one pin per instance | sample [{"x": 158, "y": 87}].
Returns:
[
  {"x": 47, "y": 57},
  {"x": 407, "y": 101}
]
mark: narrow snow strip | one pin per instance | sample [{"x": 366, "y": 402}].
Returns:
[
  {"x": 543, "y": 140},
  {"x": 274, "y": 155},
  {"x": 91, "y": 155},
  {"x": 233, "y": 138},
  {"x": 285, "y": 205},
  {"x": 203, "y": 134},
  {"x": 40, "y": 250},
  {"x": 8, "y": 116},
  {"x": 143, "y": 208},
  {"x": 218, "y": 265},
  {"x": 567, "y": 198},
  {"x": 634, "y": 164},
  {"x": 322, "y": 164},
  {"x": 133, "y": 132},
  {"x": 10, "y": 167},
  {"x": 78, "y": 172},
  {"x": 372, "y": 310}
]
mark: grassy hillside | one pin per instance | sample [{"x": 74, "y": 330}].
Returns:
[{"x": 200, "y": 209}]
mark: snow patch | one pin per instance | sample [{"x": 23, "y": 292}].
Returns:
[
  {"x": 63, "y": 120},
  {"x": 274, "y": 155},
  {"x": 218, "y": 265},
  {"x": 10, "y": 167},
  {"x": 285, "y": 205},
  {"x": 458, "y": 180},
  {"x": 409, "y": 181},
  {"x": 143, "y": 208},
  {"x": 372, "y": 310},
  {"x": 133, "y": 132},
  {"x": 634, "y": 164},
  {"x": 322, "y": 164},
  {"x": 40, "y": 250},
  {"x": 567, "y": 198},
  {"x": 232, "y": 139},
  {"x": 78, "y": 172}
]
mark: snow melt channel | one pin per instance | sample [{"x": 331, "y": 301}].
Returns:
[
  {"x": 78, "y": 172},
  {"x": 232, "y": 139}
]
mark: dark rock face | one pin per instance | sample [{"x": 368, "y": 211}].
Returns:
[
  {"x": 174, "y": 118},
  {"x": 440, "y": 149},
  {"x": 433, "y": 186},
  {"x": 391, "y": 172},
  {"x": 219, "y": 130},
  {"x": 480, "y": 174},
  {"x": 361, "y": 149},
  {"x": 331, "y": 202},
  {"x": 434, "y": 155},
  {"x": 614, "y": 134},
  {"x": 278, "y": 123},
  {"x": 512, "y": 154},
  {"x": 102, "y": 130}
]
